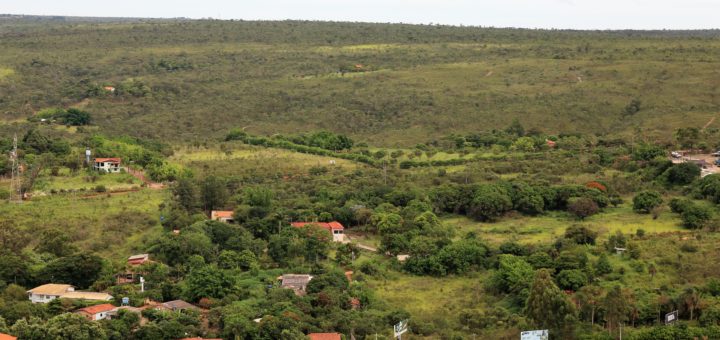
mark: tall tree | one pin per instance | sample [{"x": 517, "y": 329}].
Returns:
[
  {"x": 548, "y": 307},
  {"x": 589, "y": 298},
  {"x": 616, "y": 308},
  {"x": 214, "y": 193}
]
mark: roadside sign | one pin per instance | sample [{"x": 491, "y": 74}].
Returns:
[
  {"x": 671, "y": 317},
  {"x": 125, "y": 301},
  {"x": 401, "y": 327},
  {"x": 541, "y": 334}
]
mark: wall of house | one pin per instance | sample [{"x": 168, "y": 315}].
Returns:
[{"x": 41, "y": 298}]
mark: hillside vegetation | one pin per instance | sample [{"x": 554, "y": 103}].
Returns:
[{"x": 394, "y": 85}]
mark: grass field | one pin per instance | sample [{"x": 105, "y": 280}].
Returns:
[
  {"x": 240, "y": 158},
  {"x": 547, "y": 227},
  {"x": 81, "y": 180},
  {"x": 111, "y": 225}
]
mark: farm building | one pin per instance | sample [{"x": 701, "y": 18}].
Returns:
[
  {"x": 110, "y": 165},
  {"x": 222, "y": 216},
  {"x": 297, "y": 282},
  {"x": 335, "y": 228},
  {"x": 97, "y": 312}
]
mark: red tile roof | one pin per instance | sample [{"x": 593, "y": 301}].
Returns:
[
  {"x": 4, "y": 336},
  {"x": 111, "y": 160},
  {"x": 324, "y": 336},
  {"x": 222, "y": 213},
  {"x": 92, "y": 310},
  {"x": 334, "y": 225}
]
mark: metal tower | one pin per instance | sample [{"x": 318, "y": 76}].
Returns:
[{"x": 15, "y": 179}]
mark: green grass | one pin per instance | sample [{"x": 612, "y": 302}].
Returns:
[
  {"x": 111, "y": 225},
  {"x": 545, "y": 228},
  {"x": 81, "y": 180},
  {"x": 6, "y": 72},
  {"x": 267, "y": 161}
]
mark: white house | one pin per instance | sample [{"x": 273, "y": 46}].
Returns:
[
  {"x": 48, "y": 292},
  {"x": 110, "y": 165},
  {"x": 97, "y": 312}
]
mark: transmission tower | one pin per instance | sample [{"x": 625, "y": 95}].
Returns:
[{"x": 15, "y": 179}]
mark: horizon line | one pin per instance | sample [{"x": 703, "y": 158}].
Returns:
[{"x": 461, "y": 25}]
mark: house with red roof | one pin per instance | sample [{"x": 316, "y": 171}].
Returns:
[
  {"x": 97, "y": 312},
  {"x": 334, "y": 227},
  {"x": 324, "y": 336},
  {"x": 109, "y": 165},
  {"x": 222, "y": 216}
]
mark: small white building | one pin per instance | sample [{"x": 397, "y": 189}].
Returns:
[
  {"x": 48, "y": 292},
  {"x": 109, "y": 165}
]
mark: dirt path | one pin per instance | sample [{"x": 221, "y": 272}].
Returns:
[
  {"x": 708, "y": 123},
  {"x": 141, "y": 176},
  {"x": 348, "y": 239}
]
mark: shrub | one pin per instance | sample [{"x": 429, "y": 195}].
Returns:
[
  {"x": 582, "y": 207},
  {"x": 695, "y": 216},
  {"x": 580, "y": 235},
  {"x": 646, "y": 201},
  {"x": 683, "y": 173},
  {"x": 571, "y": 279},
  {"x": 100, "y": 188},
  {"x": 678, "y": 205}
]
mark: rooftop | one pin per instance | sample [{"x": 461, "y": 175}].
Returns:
[
  {"x": 334, "y": 225},
  {"x": 87, "y": 296},
  {"x": 51, "y": 289},
  {"x": 324, "y": 336},
  {"x": 105, "y": 307},
  {"x": 110, "y": 160},
  {"x": 221, "y": 214},
  {"x": 4, "y": 336},
  {"x": 178, "y": 304}
]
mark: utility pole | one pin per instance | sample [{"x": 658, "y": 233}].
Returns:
[{"x": 15, "y": 179}]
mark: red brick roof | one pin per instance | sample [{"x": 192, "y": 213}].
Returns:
[
  {"x": 111, "y": 160},
  {"x": 334, "y": 225},
  {"x": 324, "y": 336},
  {"x": 4, "y": 336},
  {"x": 105, "y": 307}
]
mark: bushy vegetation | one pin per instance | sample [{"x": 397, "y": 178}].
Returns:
[{"x": 490, "y": 181}]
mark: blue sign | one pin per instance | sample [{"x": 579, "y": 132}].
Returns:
[{"x": 125, "y": 301}]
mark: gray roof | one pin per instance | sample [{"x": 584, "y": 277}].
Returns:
[
  {"x": 295, "y": 281},
  {"x": 178, "y": 304}
]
